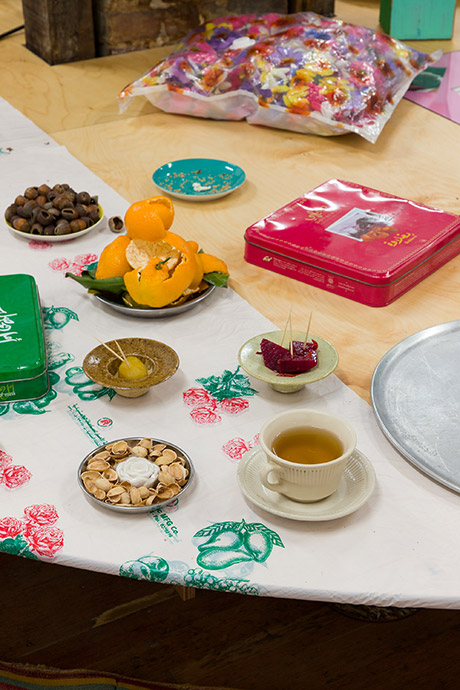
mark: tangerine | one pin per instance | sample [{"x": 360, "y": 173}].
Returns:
[
  {"x": 112, "y": 262},
  {"x": 149, "y": 219},
  {"x": 212, "y": 264}
]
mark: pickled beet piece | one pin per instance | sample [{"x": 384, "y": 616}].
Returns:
[
  {"x": 278, "y": 358},
  {"x": 271, "y": 352}
]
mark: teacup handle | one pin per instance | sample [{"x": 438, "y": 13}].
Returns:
[{"x": 264, "y": 478}]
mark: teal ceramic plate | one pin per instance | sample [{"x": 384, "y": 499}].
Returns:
[
  {"x": 198, "y": 179},
  {"x": 253, "y": 363}
]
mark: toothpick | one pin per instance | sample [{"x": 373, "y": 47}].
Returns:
[
  {"x": 110, "y": 350},
  {"x": 308, "y": 330},
  {"x": 285, "y": 327},
  {"x": 122, "y": 353},
  {"x": 291, "y": 347}
]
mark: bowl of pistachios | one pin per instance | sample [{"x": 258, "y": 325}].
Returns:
[{"x": 135, "y": 474}]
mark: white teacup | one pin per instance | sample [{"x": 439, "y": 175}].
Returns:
[{"x": 298, "y": 481}]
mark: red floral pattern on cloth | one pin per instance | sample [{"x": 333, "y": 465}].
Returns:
[
  {"x": 197, "y": 396},
  {"x": 206, "y": 409},
  {"x": 45, "y": 541},
  {"x": 237, "y": 447},
  {"x": 11, "y": 475},
  {"x": 205, "y": 414},
  {"x": 10, "y": 527},
  {"x": 38, "y": 529},
  {"x": 33, "y": 244},
  {"x": 75, "y": 265},
  {"x": 234, "y": 405},
  {"x": 41, "y": 514}
]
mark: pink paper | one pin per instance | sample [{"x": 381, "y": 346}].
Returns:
[{"x": 446, "y": 100}]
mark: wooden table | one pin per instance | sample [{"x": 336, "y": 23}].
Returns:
[{"x": 416, "y": 156}]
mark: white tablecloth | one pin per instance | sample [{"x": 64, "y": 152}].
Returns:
[{"x": 400, "y": 548}]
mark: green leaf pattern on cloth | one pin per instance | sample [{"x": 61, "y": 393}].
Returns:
[
  {"x": 17, "y": 547},
  {"x": 231, "y": 384}
]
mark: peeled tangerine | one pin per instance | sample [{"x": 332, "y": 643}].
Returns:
[
  {"x": 132, "y": 369},
  {"x": 149, "y": 219}
]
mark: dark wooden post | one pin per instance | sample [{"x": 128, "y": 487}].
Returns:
[{"x": 59, "y": 30}]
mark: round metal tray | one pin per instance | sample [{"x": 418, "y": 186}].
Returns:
[
  {"x": 145, "y": 313},
  {"x": 415, "y": 394}
]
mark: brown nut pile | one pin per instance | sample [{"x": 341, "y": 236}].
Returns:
[
  {"x": 99, "y": 474},
  {"x": 58, "y": 210}
]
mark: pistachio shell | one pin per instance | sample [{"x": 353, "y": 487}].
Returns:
[
  {"x": 166, "y": 478},
  {"x": 139, "y": 451},
  {"x": 103, "y": 484},
  {"x": 116, "y": 491},
  {"x": 98, "y": 465},
  {"x": 90, "y": 474}
]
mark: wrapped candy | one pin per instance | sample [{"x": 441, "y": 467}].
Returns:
[{"x": 300, "y": 72}]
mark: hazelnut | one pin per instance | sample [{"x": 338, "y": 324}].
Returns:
[
  {"x": 83, "y": 198},
  {"x": 61, "y": 202},
  {"x": 77, "y": 225},
  {"x": 44, "y": 217},
  {"x": 69, "y": 214},
  {"x": 31, "y": 193},
  {"x": 28, "y": 208},
  {"x": 62, "y": 228},
  {"x": 10, "y": 213},
  {"x": 21, "y": 224}
]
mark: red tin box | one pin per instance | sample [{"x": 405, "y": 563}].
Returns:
[{"x": 354, "y": 241}]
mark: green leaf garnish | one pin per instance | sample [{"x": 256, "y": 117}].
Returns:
[
  {"x": 114, "y": 285},
  {"x": 216, "y": 278}
]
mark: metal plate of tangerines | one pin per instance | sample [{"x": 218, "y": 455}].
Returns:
[{"x": 150, "y": 271}]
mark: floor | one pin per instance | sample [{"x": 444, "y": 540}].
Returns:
[{"x": 70, "y": 618}]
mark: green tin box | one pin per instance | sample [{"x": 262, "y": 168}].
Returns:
[{"x": 23, "y": 372}]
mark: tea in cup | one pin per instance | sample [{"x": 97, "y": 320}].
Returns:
[{"x": 306, "y": 452}]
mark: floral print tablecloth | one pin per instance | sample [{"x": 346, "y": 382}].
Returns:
[{"x": 401, "y": 548}]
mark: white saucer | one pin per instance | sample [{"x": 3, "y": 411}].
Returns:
[{"x": 356, "y": 485}]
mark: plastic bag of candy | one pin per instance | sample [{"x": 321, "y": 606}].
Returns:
[{"x": 301, "y": 72}]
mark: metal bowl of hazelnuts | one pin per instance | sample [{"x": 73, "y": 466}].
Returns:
[{"x": 53, "y": 214}]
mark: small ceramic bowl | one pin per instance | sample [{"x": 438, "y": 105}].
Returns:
[
  {"x": 101, "y": 366},
  {"x": 252, "y": 362},
  {"x": 57, "y": 238},
  {"x": 122, "y": 508}
]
